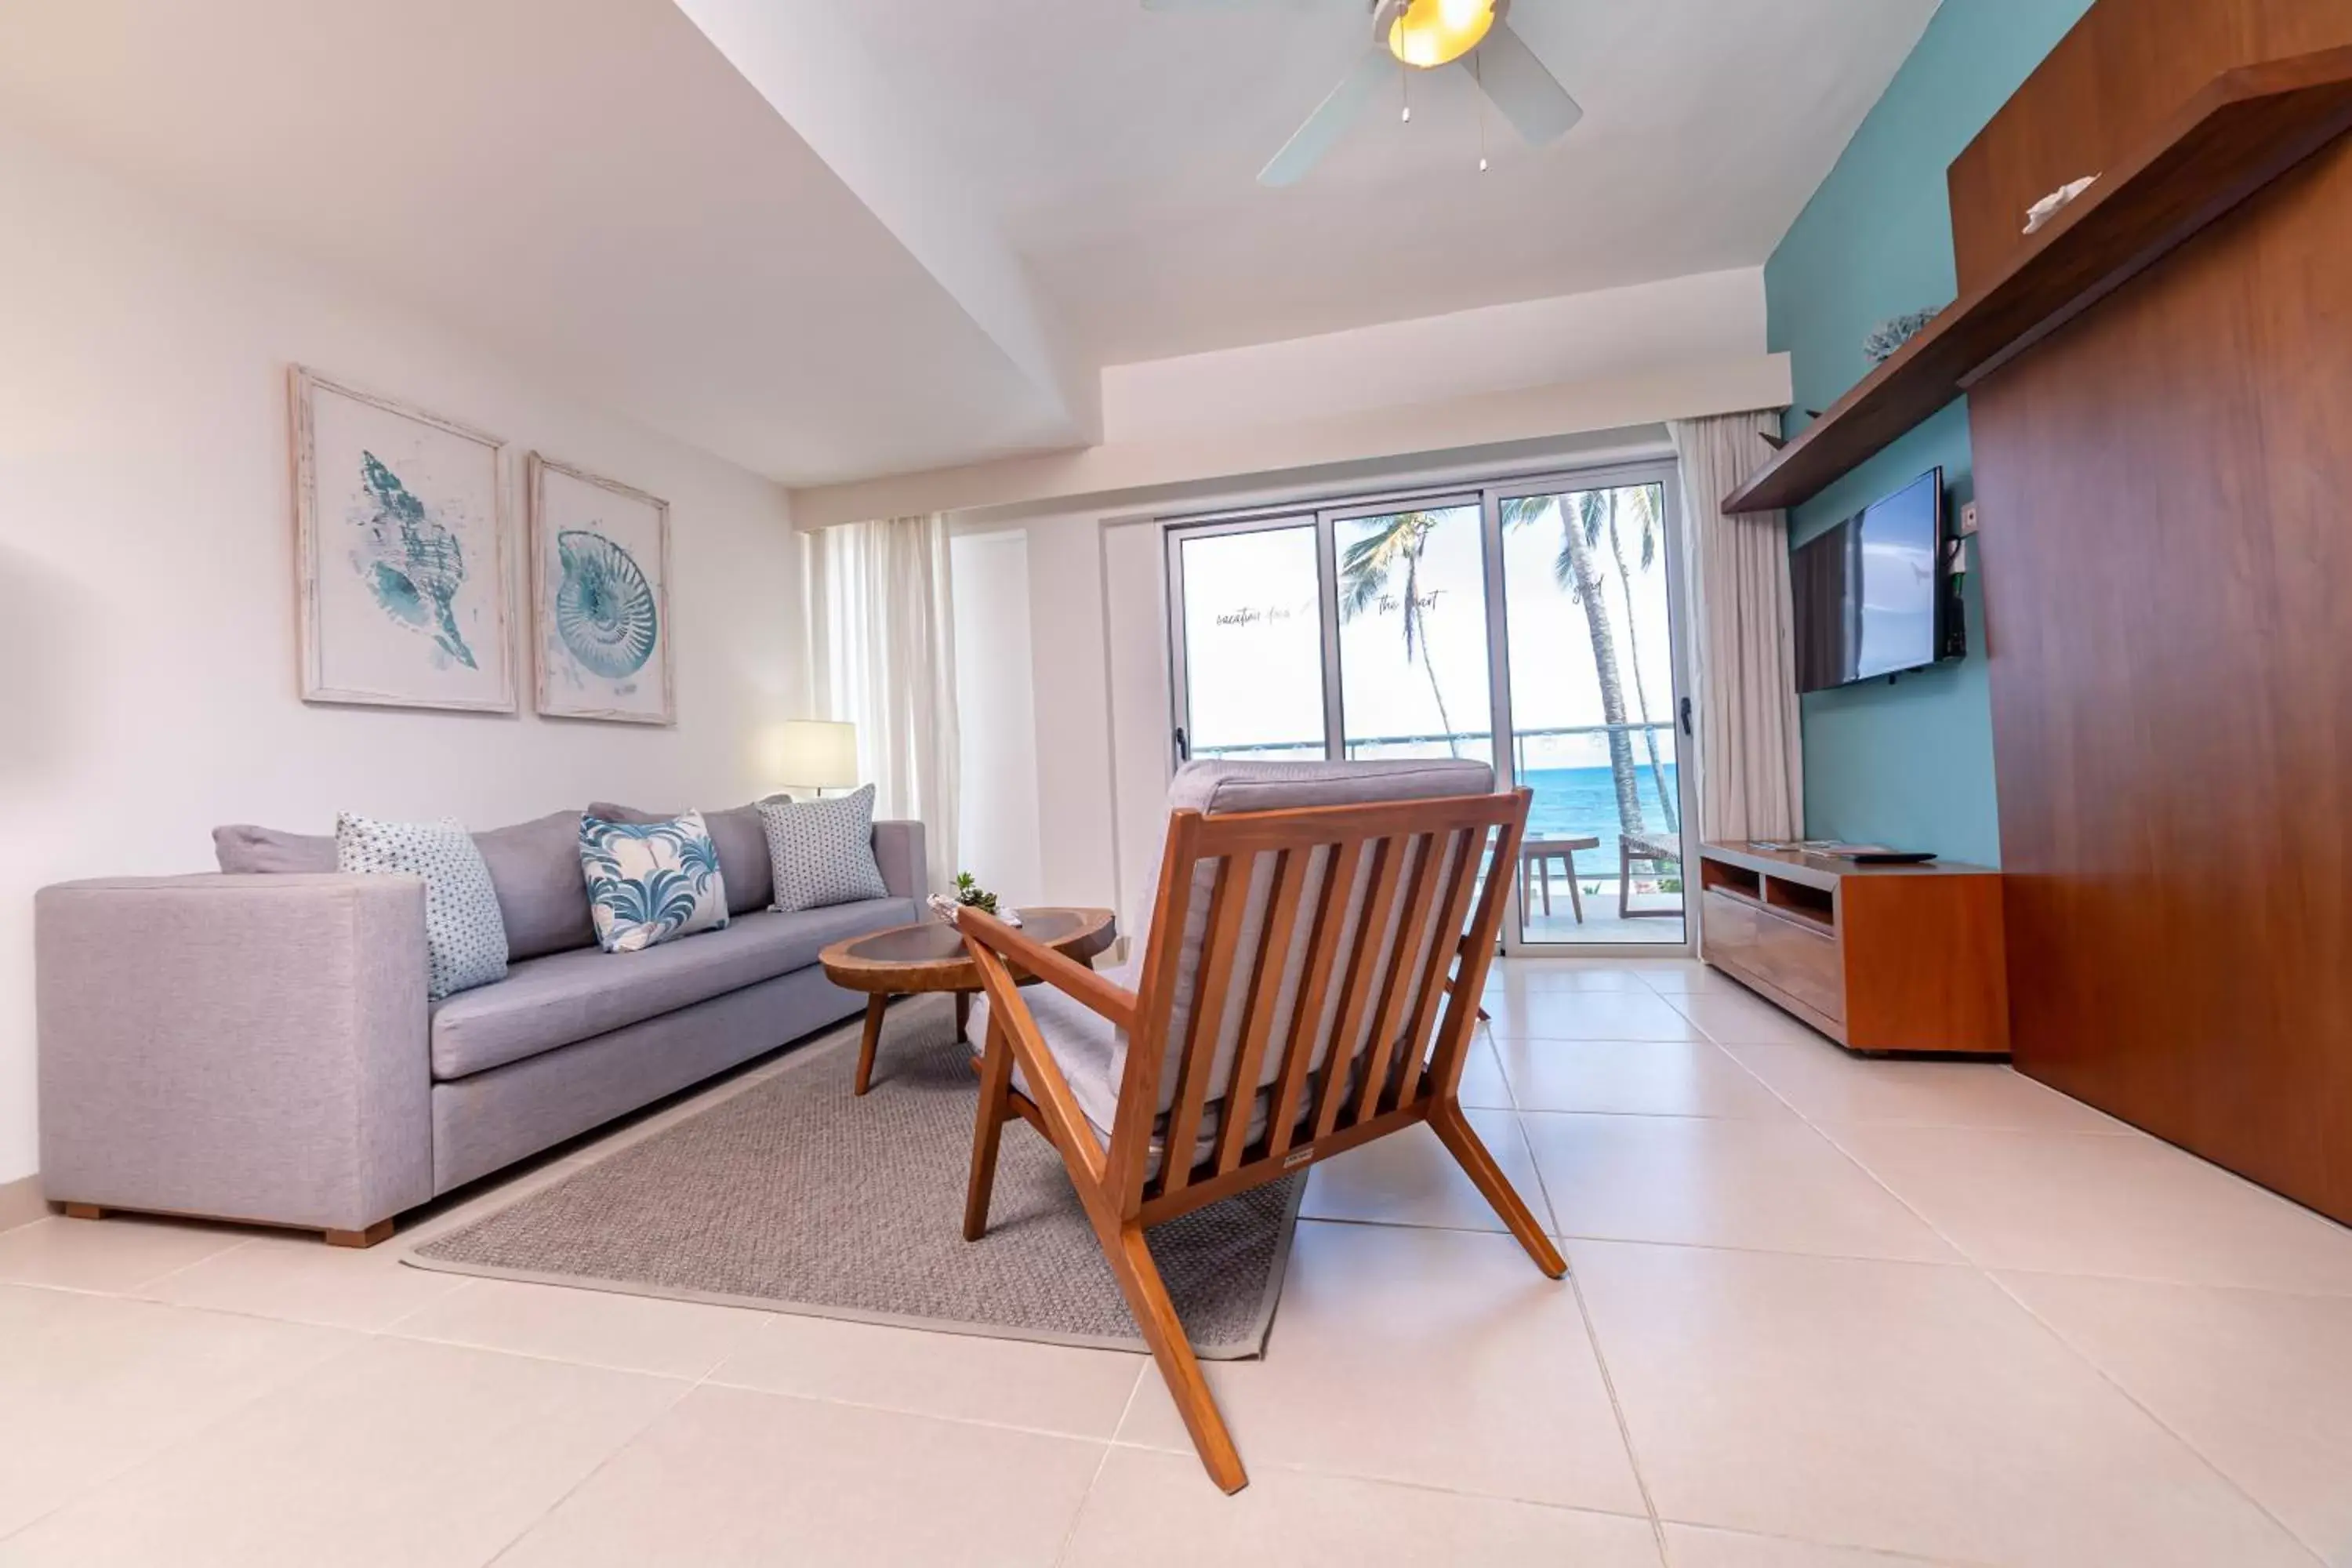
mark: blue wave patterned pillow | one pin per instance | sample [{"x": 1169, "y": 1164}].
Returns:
[
  {"x": 465, "y": 939},
  {"x": 649, "y": 881}
]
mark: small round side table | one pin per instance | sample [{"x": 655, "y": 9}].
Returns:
[{"x": 931, "y": 956}]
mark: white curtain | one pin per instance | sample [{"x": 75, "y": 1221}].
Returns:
[
  {"x": 1751, "y": 781},
  {"x": 882, "y": 647}
]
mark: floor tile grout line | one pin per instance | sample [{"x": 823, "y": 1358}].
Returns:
[
  {"x": 1599, "y": 1356},
  {"x": 592, "y": 1472},
  {"x": 1400, "y": 1483},
  {"x": 1102, "y": 1463},
  {"x": 1894, "y": 1554},
  {"x": 2059, "y": 1338},
  {"x": 1985, "y": 1271},
  {"x": 236, "y": 1408}
]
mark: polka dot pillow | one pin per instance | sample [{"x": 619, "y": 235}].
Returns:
[
  {"x": 822, "y": 850},
  {"x": 464, "y": 940}
]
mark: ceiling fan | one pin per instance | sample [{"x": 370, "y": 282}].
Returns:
[{"x": 1422, "y": 35}]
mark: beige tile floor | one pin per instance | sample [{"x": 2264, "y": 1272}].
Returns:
[{"x": 1823, "y": 1313}]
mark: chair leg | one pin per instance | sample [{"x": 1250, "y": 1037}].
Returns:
[
  {"x": 1624, "y": 882},
  {"x": 988, "y": 1130},
  {"x": 1147, "y": 1298},
  {"x": 875, "y": 1005},
  {"x": 1462, "y": 1140},
  {"x": 1575, "y": 894}
]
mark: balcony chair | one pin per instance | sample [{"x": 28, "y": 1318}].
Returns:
[{"x": 1255, "y": 963}]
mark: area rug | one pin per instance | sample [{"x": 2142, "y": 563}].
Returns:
[{"x": 794, "y": 1195}]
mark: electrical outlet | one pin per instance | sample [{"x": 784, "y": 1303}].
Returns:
[{"x": 1968, "y": 520}]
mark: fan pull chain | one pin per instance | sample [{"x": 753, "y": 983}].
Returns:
[
  {"x": 1479, "y": 73},
  {"x": 1405, "y": 89}
]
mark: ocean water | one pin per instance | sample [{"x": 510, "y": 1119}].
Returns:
[{"x": 1582, "y": 802}]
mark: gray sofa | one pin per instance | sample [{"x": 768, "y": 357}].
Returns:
[{"x": 256, "y": 1045}]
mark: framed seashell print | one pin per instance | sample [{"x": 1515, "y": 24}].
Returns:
[
  {"x": 401, "y": 544},
  {"x": 600, "y": 597}
]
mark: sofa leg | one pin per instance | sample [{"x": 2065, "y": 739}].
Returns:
[
  {"x": 380, "y": 1231},
  {"x": 84, "y": 1211}
]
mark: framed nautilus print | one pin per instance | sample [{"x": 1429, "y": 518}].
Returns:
[
  {"x": 400, "y": 521},
  {"x": 600, "y": 597}
]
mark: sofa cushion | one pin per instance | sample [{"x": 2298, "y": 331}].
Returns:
[
  {"x": 534, "y": 867},
  {"x": 465, "y": 943},
  {"x": 1092, "y": 1055},
  {"x": 241, "y": 849},
  {"x": 822, "y": 850},
  {"x": 542, "y": 898},
  {"x": 743, "y": 847},
  {"x": 544, "y": 1003}
]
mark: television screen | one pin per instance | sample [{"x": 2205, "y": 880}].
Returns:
[{"x": 1870, "y": 592}]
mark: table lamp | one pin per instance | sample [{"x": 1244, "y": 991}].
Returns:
[{"x": 815, "y": 754}]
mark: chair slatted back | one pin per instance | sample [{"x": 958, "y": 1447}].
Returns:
[{"x": 1302, "y": 965}]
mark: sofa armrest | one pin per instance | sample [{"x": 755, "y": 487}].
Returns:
[
  {"x": 246, "y": 1047},
  {"x": 899, "y": 849}
]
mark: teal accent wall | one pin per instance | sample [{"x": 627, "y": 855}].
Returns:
[{"x": 1908, "y": 764}]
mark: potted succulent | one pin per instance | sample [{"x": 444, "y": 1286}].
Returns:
[{"x": 973, "y": 896}]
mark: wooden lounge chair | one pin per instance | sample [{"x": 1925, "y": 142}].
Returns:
[{"x": 1275, "y": 933}]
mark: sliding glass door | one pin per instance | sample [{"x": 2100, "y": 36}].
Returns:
[{"x": 1533, "y": 625}]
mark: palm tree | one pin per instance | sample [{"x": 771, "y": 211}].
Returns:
[
  {"x": 1393, "y": 549},
  {"x": 1576, "y": 571},
  {"x": 1644, "y": 503}
]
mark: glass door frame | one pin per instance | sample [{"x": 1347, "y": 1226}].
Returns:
[
  {"x": 1667, "y": 473},
  {"x": 1487, "y": 496}
]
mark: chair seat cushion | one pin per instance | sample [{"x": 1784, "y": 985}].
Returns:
[
  {"x": 545, "y": 1002},
  {"x": 1092, "y": 1054}
]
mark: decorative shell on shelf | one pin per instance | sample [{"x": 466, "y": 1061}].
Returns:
[{"x": 1894, "y": 333}]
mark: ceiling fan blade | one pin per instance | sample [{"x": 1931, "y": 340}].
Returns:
[
  {"x": 1522, "y": 88},
  {"x": 1330, "y": 120}
]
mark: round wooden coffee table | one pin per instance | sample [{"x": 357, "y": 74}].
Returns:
[{"x": 931, "y": 956}]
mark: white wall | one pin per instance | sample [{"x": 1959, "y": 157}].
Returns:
[
  {"x": 999, "y": 832},
  {"x": 146, "y": 560}
]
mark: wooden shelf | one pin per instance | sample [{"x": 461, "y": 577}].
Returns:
[{"x": 2243, "y": 130}]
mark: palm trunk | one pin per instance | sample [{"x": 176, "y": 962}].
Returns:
[
  {"x": 1641, "y": 693},
  {"x": 1416, "y": 628},
  {"x": 1586, "y": 575},
  {"x": 1445, "y": 721}
]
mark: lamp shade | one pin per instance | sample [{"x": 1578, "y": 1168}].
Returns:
[{"x": 815, "y": 753}]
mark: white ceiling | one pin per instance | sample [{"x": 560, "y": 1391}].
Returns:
[
  {"x": 1121, "y": 148},
  {"x": 849, "y": 239},
  {"x": 587, "y": 186}
]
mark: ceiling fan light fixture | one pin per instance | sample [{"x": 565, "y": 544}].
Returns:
[{"x": 1432, "y": 33}]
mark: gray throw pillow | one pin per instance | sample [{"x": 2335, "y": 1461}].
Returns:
[
  {"x": 465, "y": 939},
  {"x": 822, "y": 850},
  {"x": 741, "y": 842},
  {"x": 534, "y": 867},
  {"x": 243, "y": 849},
  {"x": 542, "y": 899}
]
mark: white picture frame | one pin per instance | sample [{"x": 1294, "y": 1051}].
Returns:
[
  {"x": 599, "y": 575},
  {"x": 402, "y": 534}
]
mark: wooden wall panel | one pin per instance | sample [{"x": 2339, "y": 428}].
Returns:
[{"x": 2167, "y": 496}]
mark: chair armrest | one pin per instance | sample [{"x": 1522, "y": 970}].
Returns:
[
  {"x": 1065, "y": 974},
  {"x": 900, "y": 850},
  {"x": 247, "y": 1046}
]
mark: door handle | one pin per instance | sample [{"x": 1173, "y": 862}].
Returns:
[
  {"x": 1183, "y": 745},
  {"x": 1687, "y": 730}
]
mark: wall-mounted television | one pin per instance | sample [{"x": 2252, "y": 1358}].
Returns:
[{"x": 1872, "y": 596}]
